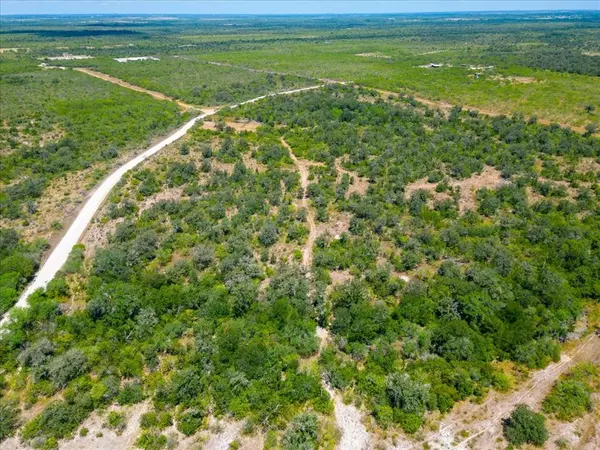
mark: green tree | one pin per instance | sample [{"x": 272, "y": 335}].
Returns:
[{"x": 525, "y": 426}]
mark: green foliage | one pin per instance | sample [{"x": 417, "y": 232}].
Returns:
[
  {"x": 115, "y": 420},
  {"x": 196, "y": 81},
  {"x": 67, "y": 366},
  {"x": 151, "y": 441},
  {"x": 571, "y": 396},
  {"x": 189, "y": 422},
  {"x": 303, "y": 433},
  {"x": 525, "y": 427},
  {"x": 68, "y": 120},
  {"x": 9, "y": 418},
  {"x": 18, "y": 262},
  {"x": 194, "y": 304},
  {"x": 58, "y": 420}
]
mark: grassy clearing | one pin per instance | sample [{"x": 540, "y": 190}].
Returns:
[
  {"x": 194, "y": 81},
  {"x": 554, "y": 96}
]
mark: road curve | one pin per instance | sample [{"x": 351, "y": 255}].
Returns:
[{"x": 62, "y": 250}]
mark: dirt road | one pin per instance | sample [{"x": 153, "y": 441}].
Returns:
[
  {"x": 133, "y": 87},
  {"x": 444, "y": 106},
  {"x": 483, "y": 423},
  {"x": 303, "y": 168},
  {"x": 61, "y": 252}
]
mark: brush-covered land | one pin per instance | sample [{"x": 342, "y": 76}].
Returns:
[
  {"x": 413, "y": 242},
  {"x": 198, "y": 301}
]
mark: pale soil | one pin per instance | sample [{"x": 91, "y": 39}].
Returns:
[
  {"x": 223, "y": 166},
  {"x": 482, "y": 424},
  {"x": 340, "y": 277},
  {"x": 591, "y": 53},
  {"x": 97, "y": 234},
  {"x": 249, "y": 125},
  {"x": 253, "y": 164},
  {"x": 133, "y": 87},
  {"x": 164, "y": 194},
  {"x": 137, "y": 58},
  {"x": 350, "y": 422},
  {"x": 513, "y": 79},
  {"x": 358, "y": 184},
  {"x": 66, "y": 57},
  {"x": 338, "y": 223},
  {"x": 61, "y": 199},
  {"x": 45, "y": 66},
  {"x": 219, "y": 435},
  {"x": 94, "y": 423},
  {"x": 222, "y": 436},
  {"x": 347, "y": 417},
  {"x": 13, "y": 49},
  {"x": 303, "y": 168},
  {"x": 374, "y": 55},
  {"x": 583, "y": 165},
  {"x": 480, "y": 67},
  {"x": 488, "y": 178},
  {"x": 41, "y": 139}
]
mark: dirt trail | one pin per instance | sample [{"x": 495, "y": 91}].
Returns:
[
  {"x": 60, "y": 253},
  {"x": 484, "y": 423},
  {"x": 274, "y": 72},
  {"x": 133, "y": 87},
  {"x": 347, "y": 417},
  {"x": 303, "y": 167},
  {"x": 446, "y": 107}
]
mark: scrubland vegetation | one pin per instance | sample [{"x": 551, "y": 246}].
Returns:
[
  {"x": 199, "y": 303},
  {"x": 434, "y": 289},
  {"x": 194, "y": 81},
  {"x": 57, "y": 121}
]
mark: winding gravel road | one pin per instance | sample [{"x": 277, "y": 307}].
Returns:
[{"x": 62, "y": 250}]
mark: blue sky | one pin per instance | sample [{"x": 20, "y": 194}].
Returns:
[{"x": 282, "y": 6}]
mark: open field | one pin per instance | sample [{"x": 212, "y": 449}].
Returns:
[
  {"x": 558, "y": 97},
  {"x": 193, "y": 81}
]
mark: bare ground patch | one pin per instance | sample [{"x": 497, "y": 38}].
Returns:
[
  {"x": 338, "y": 223},
  {"x": 164, "y": 194},
  {"x": 488, "y": 178},
  {"x": 374, "y": 55},
  {"x": 358, "y": 185},
  {"x": 303, "y": 168},
  {"x": 249, "y": 125},
  {"x": 340, "y": 277},
  {"x": 253, "y": 164},
  {"x": 59, "y": 202},
  {"x": 513, "y": 79}
]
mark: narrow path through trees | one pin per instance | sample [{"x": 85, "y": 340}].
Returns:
[
  {"x": 347, "y": 417},
  {"x": 303, "y": 168}
]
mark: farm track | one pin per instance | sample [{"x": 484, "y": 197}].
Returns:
[
  {"x": 487, "y": 424},
  {"x": 61, "y": 252},
  {"x": 133, "y": 87},
  {"x": 442, "y": 105}
]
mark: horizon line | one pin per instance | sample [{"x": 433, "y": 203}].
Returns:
[{"x": 518, "y": 11}]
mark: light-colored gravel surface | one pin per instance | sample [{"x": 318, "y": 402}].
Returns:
[
  {"x": 61, "y": 252},
  {"x": 349, "y": 420}
]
